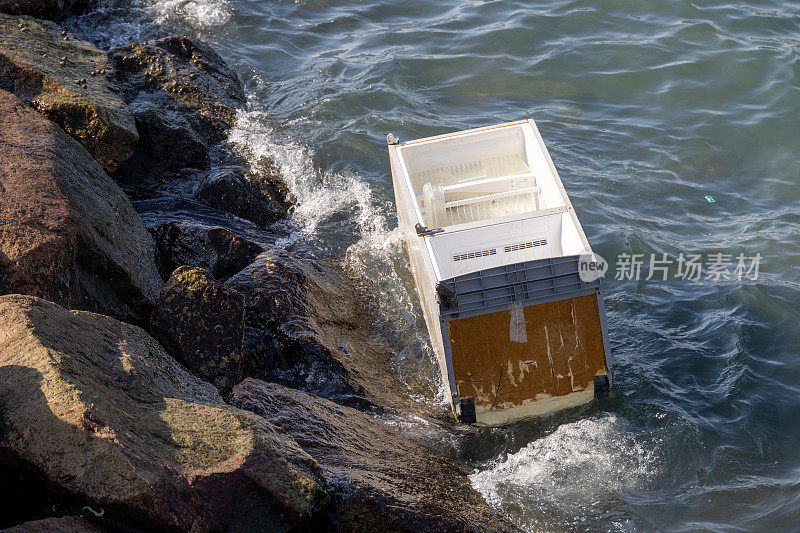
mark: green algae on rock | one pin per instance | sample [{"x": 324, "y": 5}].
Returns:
[
  {"x": 104, "y": 414},
  {"x": 67, "y": 232},
  {"x": 201, "y": 323},
  {"x": 67, "y": 80},
  {"x": 189, "y": 72}
]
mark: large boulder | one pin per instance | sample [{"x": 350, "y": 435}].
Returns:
[
  {"x": 379, "y": 479},
  {"x": 229, "y": 189},
  {"x": 67, "y": 80},
  {"x": 216, "y": 249},
  {"x": 308, "y": 327},
  {"x": 44, "y": 9},
  {"x": 109, "y": 420},
  {"x": 189, "y": 72},
  {"x": 201, "y": 323},
  {"x": 183, "y": 94},
  {"x": 67, "y": 232}
]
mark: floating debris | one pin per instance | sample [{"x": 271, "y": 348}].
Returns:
[{"x": 467, "y": 203}]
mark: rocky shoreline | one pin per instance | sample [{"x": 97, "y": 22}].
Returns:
[{"x": 179, "y": 376}]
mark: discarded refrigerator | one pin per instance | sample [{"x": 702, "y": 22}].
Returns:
[{"x": 495, "y": 248}]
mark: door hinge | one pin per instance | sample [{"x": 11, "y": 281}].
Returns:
[{"x": 423, "y": 231}]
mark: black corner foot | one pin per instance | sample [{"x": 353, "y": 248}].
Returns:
[
  {"x": 467, "y": 411},
  {"x": 601, "y": 386}
]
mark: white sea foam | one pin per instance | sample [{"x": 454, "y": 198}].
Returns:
[
  {"x": 576, "y": 471},
  {"x": 119, "y": 22},
  {"x": 319, "y": 195},
  {"x": 372, "y": 248},
  {"x": 199, "y": 13}
]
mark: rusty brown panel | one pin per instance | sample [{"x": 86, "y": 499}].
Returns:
[
  {"x": 477, "y": 344},
  {"x": 496, "y": 371}
]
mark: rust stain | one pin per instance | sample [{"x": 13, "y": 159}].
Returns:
[{"x": 563, "y": 353}]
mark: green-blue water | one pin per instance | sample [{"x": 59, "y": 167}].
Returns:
[{"x": 646, "y": 107}]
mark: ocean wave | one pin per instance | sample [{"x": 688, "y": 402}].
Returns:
[
  {"x": 577, "y": 471},
  {"x": 319, "y": 195}
]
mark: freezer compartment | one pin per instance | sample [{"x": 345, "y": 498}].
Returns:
[{"x": 478, "y": 175}]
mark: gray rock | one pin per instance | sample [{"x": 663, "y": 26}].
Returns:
[
  {"x": 178, "y": 87},
  {"x": 192, "y": 76},
  {"x": 168, "y": 141},
  {"x": 307, "y": 327},
  {"x": 216, "y": 249},
  {"x": 229, "y": 190}
]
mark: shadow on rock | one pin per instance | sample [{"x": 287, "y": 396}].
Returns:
[
  {"x": 99, "y": 412},
  {"x": 24, "y": 493}
]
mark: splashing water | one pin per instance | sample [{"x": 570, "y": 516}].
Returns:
[
  {"x": 574, "y": 472},
  {"x": 338, "y": 215},
  {"x": 320, "y": 195},
  {"x": 115, "y": 23},
  {"x": 203, "y": 14}
]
